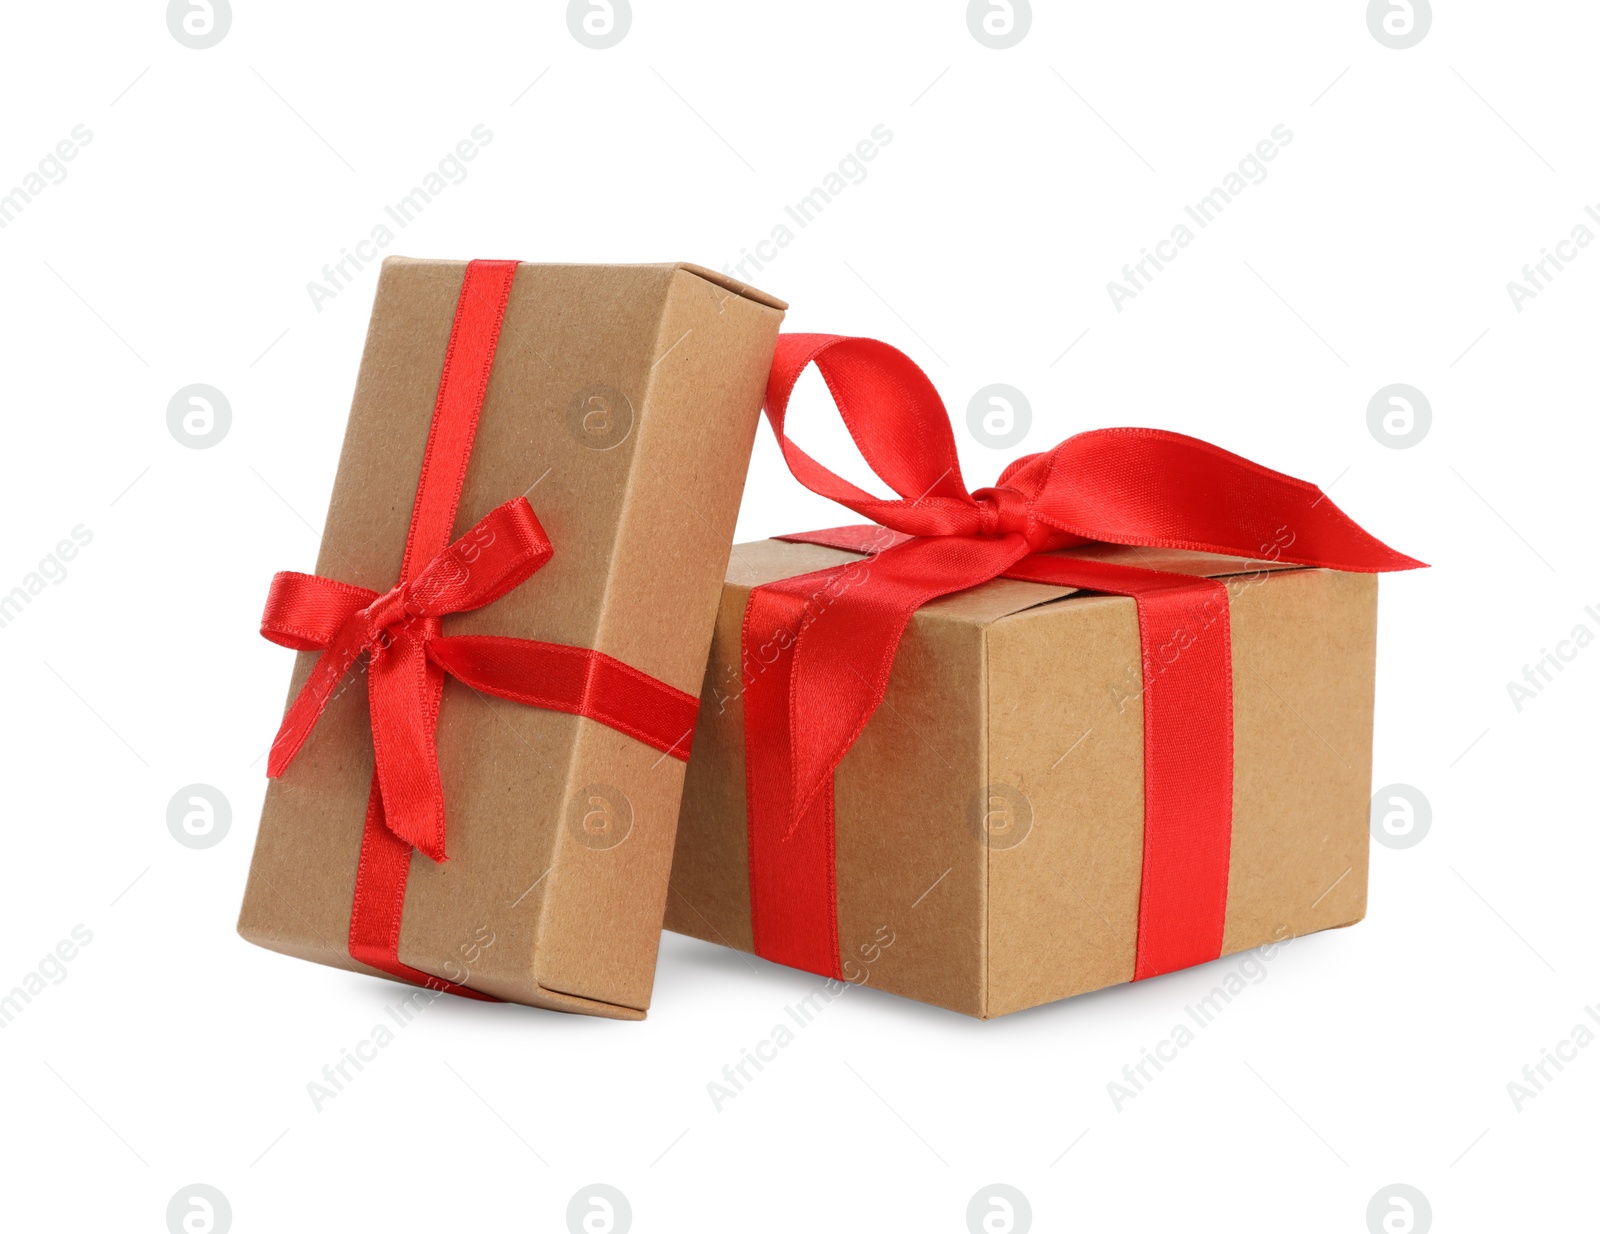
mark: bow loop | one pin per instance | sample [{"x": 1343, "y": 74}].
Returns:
[
  {"x": 502, "y": 550},
  {"x": 306, "y": 613},
  {"x": 1119, "y": 486},
  {"x": 897, "y": 421}
]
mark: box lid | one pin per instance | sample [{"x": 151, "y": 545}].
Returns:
[{"x": 765, "y": 561}]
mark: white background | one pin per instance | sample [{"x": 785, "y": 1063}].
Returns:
[{"x": 1018, "y": 182}]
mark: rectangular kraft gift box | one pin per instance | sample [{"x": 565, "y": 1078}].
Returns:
[
  {"x": 989, "y": 820},
  {"x": 623, "y": 403}
]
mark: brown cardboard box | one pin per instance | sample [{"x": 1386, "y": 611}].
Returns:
[
  {"x": 989, "y": 820},
  {"x": 639, "y": 502}
]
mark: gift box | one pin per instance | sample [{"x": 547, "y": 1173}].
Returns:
[
  {"x": 1109, "y": 718},
  {"x": 477, "y": 780}
]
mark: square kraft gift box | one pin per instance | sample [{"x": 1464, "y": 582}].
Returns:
[
  {"x": 989, "y": 819},
  {"x": 1109, "y": 718},
  {"x": 519, "y": 575}
]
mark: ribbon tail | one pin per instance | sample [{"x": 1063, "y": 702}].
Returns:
[
  {"x": 406, "y": 759},
  {"x": 853, "y": 618},
  {"x": 307, "y": 613},
  {"x": 822, "y": 646},
  {"x": 1159, "y": 489},
  {"x": 793, "y": 915},
  {"x": 319, "y": 690}
]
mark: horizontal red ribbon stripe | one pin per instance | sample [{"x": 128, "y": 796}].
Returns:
[{"x": 555, "y": 677}]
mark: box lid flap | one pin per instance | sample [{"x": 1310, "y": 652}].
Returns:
[{"x": 766, "y": 561}]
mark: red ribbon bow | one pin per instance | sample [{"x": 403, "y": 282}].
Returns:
[
  {"x": 842, "y": 626},
  {"x": 400, "y": 629},
  {"x": 409, "y": 657}
]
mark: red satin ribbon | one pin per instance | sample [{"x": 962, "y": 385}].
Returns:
[
  {"x": 408, "y": 655},
  {"x": 837, "y": 630}
]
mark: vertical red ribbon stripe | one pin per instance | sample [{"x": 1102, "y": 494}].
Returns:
[
  {"x": 385, "y": 858},
  {"x": 1186, "y": 655}
]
